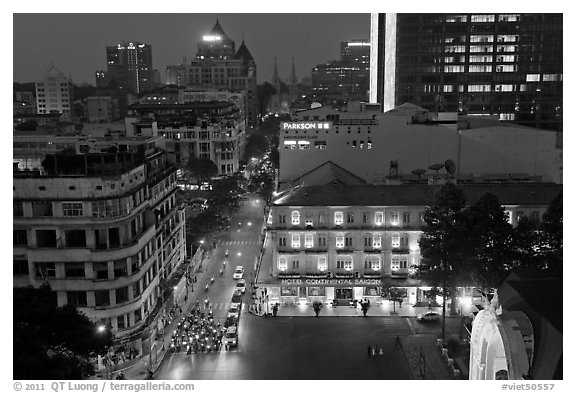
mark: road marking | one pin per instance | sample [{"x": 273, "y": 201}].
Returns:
[{"x": 411, "y": 326}]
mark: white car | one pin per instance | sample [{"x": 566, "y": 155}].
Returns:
[
  {"x": 231, "y": 337},
  {"x": 241, "y": 285},
  {"x": 238, "y": 272},
  {"x": 429, "y": 316},
  {"x": 234, "y": 310}
]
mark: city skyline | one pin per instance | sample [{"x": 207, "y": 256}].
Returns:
[{"x": 175, "y": 36}]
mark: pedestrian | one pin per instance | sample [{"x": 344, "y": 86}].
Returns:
[
  {"x": 374, "y": 349},
  {"x": 369, "y": 349}
]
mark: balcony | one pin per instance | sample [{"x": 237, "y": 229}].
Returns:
[
  {"x": 316, "y": 275},
  {"x": 344, "y": 250},
  {"x": 316, "y": 250},
  {"x": 286, "y": 250},
  {"x": 372, "y": 275},
  {"x": 372, "y": 250},
  {"x": 289, "y": 275},
  {"x": 400, "y": 250},
  {"x": 344, "y": 275}
]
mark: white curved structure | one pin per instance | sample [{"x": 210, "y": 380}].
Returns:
[{"x": 501, "y": 346}]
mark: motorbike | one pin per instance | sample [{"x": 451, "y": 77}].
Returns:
[
  {"x": 212, "y": 280},
  {"x": 221, "y": 271},
  {"x": 226, "y": 255},
  {"x": 206, "y": 288}
]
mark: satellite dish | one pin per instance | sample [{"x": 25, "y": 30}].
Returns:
[
  {"x": 450, "y": 167},
  {"x": 436, "y": 167}
]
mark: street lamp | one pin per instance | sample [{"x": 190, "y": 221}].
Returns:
[{"x": 101, "y": 329}]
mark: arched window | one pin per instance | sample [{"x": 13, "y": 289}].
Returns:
[{"x": 295, "y": 218}]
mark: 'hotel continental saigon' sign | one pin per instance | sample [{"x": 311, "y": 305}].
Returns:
[
  {"x": 305, "y": 125},
  {"x": 331, "y": 281}
]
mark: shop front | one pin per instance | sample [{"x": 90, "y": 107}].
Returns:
[{"x": 342, "y": 291}]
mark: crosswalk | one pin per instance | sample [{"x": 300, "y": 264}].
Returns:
[
  {"x": 393, "y": 326},
  {"x": 241, "y": 243},
  {"x": 221, "y": 306}
]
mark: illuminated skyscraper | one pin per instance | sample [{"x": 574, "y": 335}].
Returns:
[
  {"x": 348, "y": 77},
  {"x": 129, "y": 66},
  {"x": 508, "y": 65},
  {"x": 218, "y": 65}
]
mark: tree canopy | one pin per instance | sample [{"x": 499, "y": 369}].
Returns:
[
  {"x": 53, "y": 342},
  {"x": 202, "y": 169}
]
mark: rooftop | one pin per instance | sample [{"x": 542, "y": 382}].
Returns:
[{"x": 414, "y": 194}]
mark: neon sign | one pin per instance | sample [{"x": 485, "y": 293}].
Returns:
[
  {"x": 211, "y": 38},
  {"x": 311, "y": 125}
]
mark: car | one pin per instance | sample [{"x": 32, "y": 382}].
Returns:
[
  {"x": 231, "y": 337},
  {"x": 231, "y": 321},
  {"x": 234, "y": 310},
  {"x": 236, "y": 299},
  {"x": 238, "y": 272},
  {"x": 241, "y": 285},
  {"x": 429, "y": 316}
]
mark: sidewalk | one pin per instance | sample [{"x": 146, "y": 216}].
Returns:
[
  {"x": 385, "y": 309},
  {"x": 137, "y": 369},
  {"x": 424, "y": 357}
]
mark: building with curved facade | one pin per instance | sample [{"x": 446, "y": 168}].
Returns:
[{"x": 103, "y": 230}]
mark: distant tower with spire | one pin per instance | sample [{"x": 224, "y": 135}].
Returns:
[
  {"x": 275, "y": 77},
  {"x": 293, "y": 84}
]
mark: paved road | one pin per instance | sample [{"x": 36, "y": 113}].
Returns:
[
  {"x": 324, "y": 348},
  {"x": 243, "y": 245}
]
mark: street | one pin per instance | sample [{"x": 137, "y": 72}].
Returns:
[{"x": 286, "y": 347}]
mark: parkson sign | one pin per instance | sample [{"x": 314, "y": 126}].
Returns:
[{"x": 305, "y": 125}]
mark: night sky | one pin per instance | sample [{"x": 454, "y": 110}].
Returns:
[{"x": 76, "y": 43}]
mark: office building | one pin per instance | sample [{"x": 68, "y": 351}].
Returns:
[
  {"x": 203, "y": 130},
  {"x": 386, "y": 148},
  {"x": 218, "y": 65},
  {"x": 508, "y": 65},
  {"x": 54, "y": 93},
  {"x": 348, "y": 78},
  {"x": 129, "y": 67}
]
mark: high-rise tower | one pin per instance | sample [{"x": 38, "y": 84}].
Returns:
[
  {"x": 129, "y": 67},
  {"x": 508, "y": 65}
]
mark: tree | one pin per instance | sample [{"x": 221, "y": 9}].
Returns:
[
  {"x": 317, "y": 307},
  {"x": 489, "y": 242},
  {"x": 53, "y": 342},
  {"x": 442, "y": 245},
  {"x": 394, "y": 294},
  {"x": 256, "y": 145},
  {"x": 264, "y": 92},
  {"x": 227, "y": 193},
  {"x": 202, "y": 169},
  {"x": 552, "y": 224}
]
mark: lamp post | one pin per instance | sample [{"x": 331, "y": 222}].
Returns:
[{"x": 101, "y": 329}]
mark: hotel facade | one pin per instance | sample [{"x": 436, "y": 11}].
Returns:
[{"x": 341, "y": 243}]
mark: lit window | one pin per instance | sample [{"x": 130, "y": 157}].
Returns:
[
  {"x": 395, "y": 240},
  {"x": 399, "y": 263},
  {"x": 295, "y": 218},
  {"x": 345, "y": 264},
  {"x": 308, "y": 241},
  {"x": 340, "y": 241},
  {"x": 533, "y": 78},
  {"x": 338, "y": 218},
  {"x": 296, "y": 240},
  {"x": 379, "y": 218},
  {"x": 282, "y": 264},
  {"x": 377, "y": 241},
  {"x": 395, "y": 218},
  {"x": 372, "y": 263},
  {"x": 322, "y": 264}
]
